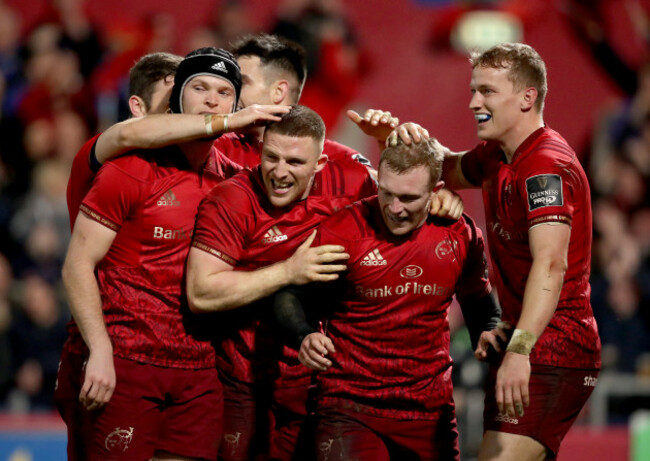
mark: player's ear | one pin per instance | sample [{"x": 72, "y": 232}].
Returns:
[
  {"x": 280, "y": 92},
  {"x": 528, "y": 99},
  {"x": 137, "y": 106},
  {"x": 322, "y": 161}
]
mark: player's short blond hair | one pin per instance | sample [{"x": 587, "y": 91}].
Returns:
[{"x": 527, "y": 68}]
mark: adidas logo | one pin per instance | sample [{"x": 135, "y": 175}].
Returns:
[
  {"x": 220, "y": 66},
  {"x": 273, "y": 235},
  {"x": 502, "y": 418},
  {"x": 374, "y": 259},
  {"x": 168, "y": 199}
]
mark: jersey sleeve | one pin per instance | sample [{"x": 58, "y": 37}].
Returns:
[
  {"x": 221, "y": 223},
  {"x": 337, "y": 151},
  {"x": 81, "y": 179},
  {"x": 224, "y": 166},
  {"x": 474, "y": 280},
  {"x": 473, "y": 163},
  {"x": 369, "y": 188},
  {"x": 325, "y": 236},
  {"x": 236, "y": 148},
  {"x": 344, "y": 227},
  {"x": 548, "y": 188},
  {"x": 358, "y": 180},
  {"x": 115, "y": 194}
]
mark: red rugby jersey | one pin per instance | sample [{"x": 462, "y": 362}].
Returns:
[
  {"x": 150, "y": 199},
  {"x": 82, "y": 175},
  {"x": 389, "y": 325},
  {"x": 81, "y": 179},
  {"x": 237, "y": 224},
  {"x": 544, "y": 183}
]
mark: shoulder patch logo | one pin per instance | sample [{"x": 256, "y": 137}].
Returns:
[
  {"x": 374, "y": 258},
  {"x": 544, "y": 190},
  {"x": 273, "y": 235}
]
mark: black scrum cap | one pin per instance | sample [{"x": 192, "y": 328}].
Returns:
[{"x": 205, "y": 61}]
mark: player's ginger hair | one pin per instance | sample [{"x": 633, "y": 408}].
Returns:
[{"x": 403, "y": 157}]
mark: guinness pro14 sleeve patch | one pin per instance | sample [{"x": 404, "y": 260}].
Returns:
[{"x": 544, "y": 190}]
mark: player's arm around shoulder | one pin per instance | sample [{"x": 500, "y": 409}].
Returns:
[
  {"x": 152, "y": 131},
  {"x": 452, "y": 171},
  {"x": 160, "y": 130}
]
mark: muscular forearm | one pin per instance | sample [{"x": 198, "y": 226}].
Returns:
[
  {"x": 230, "y": 289},
  {"x": 452, "y": 173},
  {"x": 153, "y": 131},
  {"x": 85, "y": 304},
  {"x": 541, "y": 295}
]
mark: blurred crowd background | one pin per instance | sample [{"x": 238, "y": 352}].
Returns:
[{"x": 63, "y": 75}]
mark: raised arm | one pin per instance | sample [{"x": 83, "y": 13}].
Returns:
[
  {"x": 375, "y": 123},
  {"x": 89, "y": 243},
  {"x": 159, "y": 130},
  {"x": 452, "y": 172},
  {"x": 549, "y": 244}
]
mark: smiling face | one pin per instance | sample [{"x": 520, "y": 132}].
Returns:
[
  {"x": 497, "y": 106},
  {"x": 206, "y": 94},
  {"x": 404, "y": 198},
  {"x": 288, "y": 167}
]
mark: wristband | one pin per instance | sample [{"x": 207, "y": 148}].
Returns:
[
  {"x": 522, "y": 342},
  {"x": 208, "y": 125},
  {"x": 210, "y": 129}
]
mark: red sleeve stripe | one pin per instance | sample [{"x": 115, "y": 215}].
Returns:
[
  {"x": 92, "y": 214},
  {"x": 549, "y": 218},
  {"x": 208, "y": 249}
]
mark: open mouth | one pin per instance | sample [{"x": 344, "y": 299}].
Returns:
[
  {"x": 397, "y": 219},
  {"x": 482, "y": 118},
  {"x": 279, "y": 187}
]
